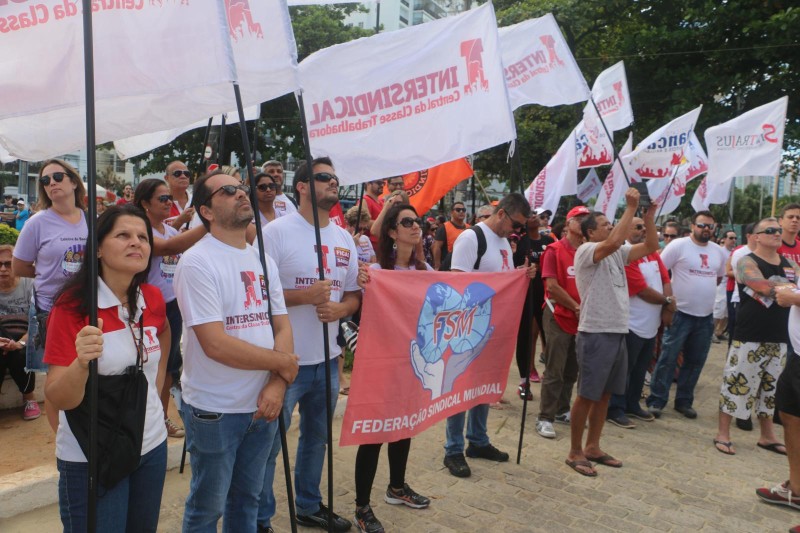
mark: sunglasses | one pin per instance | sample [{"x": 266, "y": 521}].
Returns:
[
  {"x": 58, "y": 177},
  {"x": 264, "y": 187},
  {"x": 706, "y": 226},
  {"x": 325, "y": 177},
  {"x": 769, "y": 231},
  {"x": 179, "y": 173},
  {"x": 639, "y": 227},
  {"x": 670, "y": 235},
  {"x": 229, "y": 190},
  {"x": 408, "y": 222},
  {"x": 460, "y": 209},
  {"x": 164, "y": 198},
  {"x": 5, "y": 264}
]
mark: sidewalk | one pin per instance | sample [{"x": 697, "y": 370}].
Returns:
[{"x": 673, "y": 479}]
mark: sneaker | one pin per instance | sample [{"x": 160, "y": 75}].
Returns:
[
  {"x": 486, "y": 452},
  {"x": 688, "y": 412},
  {"x": 173, "y": 430},
  {"x": 524, "y": 391},
  {"x": 621, "y": 421},
  {"x": 366, "y": 521},
  {"x": 406, "y": 496},
  {"x": 655, "y": 411},
  {"x": 535, "y": 376},
  {"x": 545, "y": 429},
  {"x": 264, "y": 529},
  {"x": 457, "y": 465},
  {"x": 779, "y": 494},
  {"x": 564, "y": 418},
  {"x": 31, "y": 411},
  {"x": 715, "y": 340},
  {"x": 641, "y": 414},
  {"x": 320, "y": 519}
]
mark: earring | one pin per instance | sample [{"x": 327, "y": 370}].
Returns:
[{"x": 394, "y": 246}]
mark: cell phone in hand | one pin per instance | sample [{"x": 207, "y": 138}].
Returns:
[{"x": 644, "y": 195}]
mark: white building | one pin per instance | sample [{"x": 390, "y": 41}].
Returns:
[{"x": 396, "y": 14}]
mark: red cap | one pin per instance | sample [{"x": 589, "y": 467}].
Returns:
[{"x": 578, "y": 211}]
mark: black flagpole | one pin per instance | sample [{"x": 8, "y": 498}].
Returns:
[
  {"x": 326, "y": 348},
  {"x": 528, "y": 349},
  {"x": 358, "y": 218},
  {"x": 91, "y": 253},
  {"x": 262, "y": 256},
  {"x": 201, "y": 168},
  {"x": 221, "y": 141}
]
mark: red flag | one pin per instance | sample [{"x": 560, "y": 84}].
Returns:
[
  {"x": 448, "y": 348},
  {"x": 427, "y": 187}
]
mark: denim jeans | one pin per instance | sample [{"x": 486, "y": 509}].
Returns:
[
  {"x": 640, "y": 351},
  {"x": 308, "y": 390},
  {"x": 34, "y": 352},
  {"x": 132, "y": 505},
  {"x": 692, "y": 334},
  {"x": 476, "y": 429},
  {"x": 228, "y": 453}
]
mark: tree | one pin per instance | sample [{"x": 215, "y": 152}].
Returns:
[{"x": 110, "y": 180}]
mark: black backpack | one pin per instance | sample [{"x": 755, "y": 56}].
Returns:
[{"x": 481, "y": 250}]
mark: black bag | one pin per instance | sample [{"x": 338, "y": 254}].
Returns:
[{"x": 121, "y": 410}]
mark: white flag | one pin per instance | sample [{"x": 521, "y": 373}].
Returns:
[
  {"x": 749, "y": 145},
  {"x": 558, "y": 178},
  {"x": 711, "y": 193},
  {"x": 658, "y": 155},
  {"x": 266, "y": 67},
  {"x": 593, "y": 147},
  {"x": 590, "y": 186},
  {"x": 614, "y": 185},
  {"x": 539, "y": 66},
  {"x": 162, "y": 65},
  {"x": 414, "y": 98},
  {"x": 667, "y": 194},
  {"x": 610, "y": 94}
]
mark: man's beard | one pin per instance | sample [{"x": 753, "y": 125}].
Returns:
[{"x": 702, "y": 238}]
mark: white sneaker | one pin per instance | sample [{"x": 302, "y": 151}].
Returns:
[{"x": 545, "y": 429}]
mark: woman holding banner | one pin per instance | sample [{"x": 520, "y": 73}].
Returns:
[
  {"x": 132, "y": 331},
  {"x": 400, "y": 233}
]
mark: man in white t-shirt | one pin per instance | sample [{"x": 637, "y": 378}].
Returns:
[
  {"x": 510, "y": 216},
  {"x": 238, "y": 360},
  {"x": 697, "y": 265},
  {"x": 283, "y": 205},
  {"x": 312, "y": 305}
]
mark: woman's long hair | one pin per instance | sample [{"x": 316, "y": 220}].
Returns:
[
  {"x": 387, "y": 255},
  {"x": 80, "y": 191},
  {"x": 75, "y": 292},
  {"x": 145, "y": 190}
]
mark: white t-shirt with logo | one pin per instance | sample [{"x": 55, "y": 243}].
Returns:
[
  {"x": 283, "y": 206},
  {"x": 365, "y": 249},
  {"x": 695, "y": 270},
  {"x": 497, "y": 258},
  {"x": 215, "y": 282},
  {"x": 290, "y": 242}
]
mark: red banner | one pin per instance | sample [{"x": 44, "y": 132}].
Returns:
[{"x": 431, "y": 344}]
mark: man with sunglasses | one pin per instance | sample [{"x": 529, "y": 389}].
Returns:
[
  {"x": 283, "y": 204},
  {"x": 291, "y": 242},
  {"x": 697, "y": 266},
  {"x": 447, "y": 234},
  {"x": 672, "y": 231},
  {"x": 510, "y": 216},
  {"x": 177, "y": 178}
]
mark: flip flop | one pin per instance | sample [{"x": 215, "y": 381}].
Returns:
[
  {"x": 345, "y": 391},
  {"x": 729, "y": 445},
  {"x": 774, "y": 447},
  {"x": 606, "y": 460},
  {"x": 585, "y": 464}
]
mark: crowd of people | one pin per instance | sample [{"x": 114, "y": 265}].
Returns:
[{"x": 613, "y": 307}]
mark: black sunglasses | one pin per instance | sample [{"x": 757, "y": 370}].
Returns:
[
  {"x": 408, "y": 222},
  {"x": 706, "y": 226},
  {"x": 58, "y": 177},
  {"x": 460, "y": 209},
  {"x": 264, "y": 187},
  {"x": 229, "y": 190},
  {"x": 639, "y": 227},
  {"x": 670, "y": 235},
  {"x": 325, "y": 177},
  {"x": 164, "y": 198},
  {"x": 769, "y": 231},
  {"x": 5, "y": 264},
  {"x": 179, "y": 173}
]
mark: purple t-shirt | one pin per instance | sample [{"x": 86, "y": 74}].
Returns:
[
  {"x": 57, "y": 247},
  {"x": 162, "y": 267}
]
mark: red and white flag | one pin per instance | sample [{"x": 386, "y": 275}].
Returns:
[
  {"x": 610, "y": 95},
  {"x": 590, "y": 186},
  {"x": 159, "y": 66},
  {"x": 414, "y": 98},
  {"x": 593, "y": 147},
  {"x": 558, "y": 178},
  {"x": 749, "y": 145},
  {"x": 667, "y": 194},
  {"x": 614, "y": 185},
  {"x": 266, "y": 66},
  {"x": 539, "y": 66},
  {"x": 711, "y": 193},
  {"x": 658, "y": 155}
]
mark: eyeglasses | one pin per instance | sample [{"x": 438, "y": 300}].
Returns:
[
  {"x": 483, "y": 216},
  {"x": 515, "y": 224},
  {"x": 408, "y": 222},
  {"x": 229, "y": 190},
  {"x": 670, "y": 235},
  {"x": 396, "y": 183},
  {"x": 179, "y": 173},
  {"x": 58, "y": 177},
  {"x": 460, "y": 209},
  {"x": 769, "y": 231},
  {"x": 5, "y": 264},
  {"x": 706, "y": 226},
  {"x": 639, "y": 227},
  {"x": 324, "y": 177},
  {"x": 164, "y": 198},
  {"x": 264, "y": 187}
]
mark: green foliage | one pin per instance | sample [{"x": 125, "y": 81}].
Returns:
[{"x": 8, "y": 235}]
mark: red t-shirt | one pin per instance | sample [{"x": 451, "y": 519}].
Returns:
[
  {"x": 123, "y": 201},
  {"x": 558, "y": 262},
  {"x": 791, "y": 251},
  {"x": 337, "y": 216},
  {"x": 636, "y": 281},
  {"x": 374, "y": 207}
]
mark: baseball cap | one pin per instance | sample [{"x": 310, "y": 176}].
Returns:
[
  {"x": 578, "y": 211},
  {"x": 542, "y": 210},
  {"x": 21, "y": 202}
]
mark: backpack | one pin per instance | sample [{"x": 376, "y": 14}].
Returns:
[{"x": 481, "y": 250}]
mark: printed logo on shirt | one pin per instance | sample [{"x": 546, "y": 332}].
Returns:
[
  {"x": 789, "y": 271},
  {"x": 73, "y": 259},
  {"x": 168, "y": 265},
  {"x": 324, "y": 258},
  {"x": 504, "y": 254},
  {"x": 571, "y": 271},
  {"x": 703, "y": 260},
  {"x": 279, "y": 206},
  {"x": 342, "y": 256},
  {"x": 250, "y": 297},
  {"x": 149, "y": 335}
]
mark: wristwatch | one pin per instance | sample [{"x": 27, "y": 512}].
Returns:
[
  {"x": 23, "y": 343},
  {"x": 668, "y": 300}
]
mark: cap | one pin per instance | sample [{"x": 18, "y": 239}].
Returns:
[
  {"x": 578, "y": 211},
  {"x": 542, "y": 211},
  {"x": 21, "y": 202}
]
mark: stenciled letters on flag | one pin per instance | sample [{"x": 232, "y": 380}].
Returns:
[
  {"x": 447, "y": 347},
  {"x": 266, "y": 67},
  {"x": 558, "y": 178},
  {"x": 409, "y": 99},
  {"x": 666, "y": 193},
  {"x": 610, "y": 95},
  {"x": 593, "y": 147},
  {"x": 614, "y": 185},
  {"x": 663, "y": 150},
  {"x": 749, "y": 145},
  {"x": 589, "y": 187},
  {"x": 158, "y": 66},
  {"x": 539, "y": 66}
]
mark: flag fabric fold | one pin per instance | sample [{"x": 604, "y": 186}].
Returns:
[
  {"x": 589, "y": 187},
  {"x": 558, "y": 178},
  {"x": 667, "y": 194},
  {"x": 611, "y": 96},
  {"x": 426, "y": 187},
  {"x": 593, "y": 147},
  {"x": 614, "y": 184}
]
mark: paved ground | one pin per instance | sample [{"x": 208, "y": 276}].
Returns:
[{"x": 673, "y": 480}]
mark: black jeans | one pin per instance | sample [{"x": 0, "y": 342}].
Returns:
[
  {"x": 367, "y": 464},
  {"x": 15, "y": 363}
]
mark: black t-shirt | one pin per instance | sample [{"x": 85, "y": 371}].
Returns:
[
  {"x": 756, "y": 323},
  {"x": 533, "y": 250}
]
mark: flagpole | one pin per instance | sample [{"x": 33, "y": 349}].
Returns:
[
  {"x": 320, "y": 266},
  {"x": 262, "y": 256},
  {"x": 91, "y": 254},
  {"x": 613, "y": 148},
  {"x": 221, "y": 141},
  {"x": 201, "y": 168},
  {"x": 528, "y": 350},
  {"x": 774, "y": 195},
  {"x": 669, "y": 187}
]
